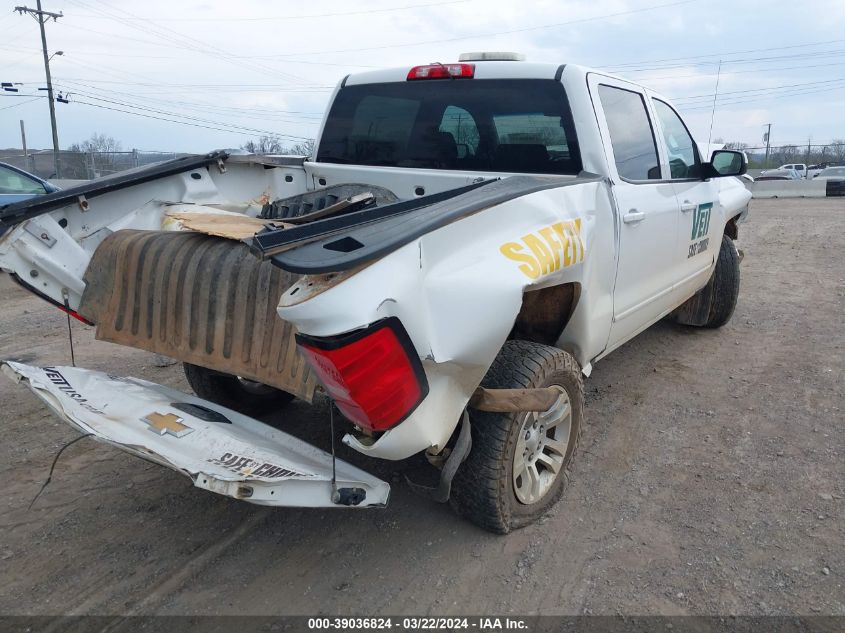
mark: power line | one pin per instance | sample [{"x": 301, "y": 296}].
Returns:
[
  {"x": 198, "y": 105},
  {"x": 207, "y": 127},
  {"x": 199, "y": 45},
  {"x": 193, "y": 88},
  {"x": 263, "y": 117},
  {"x": 101, "y": 54},
  {"x": 293, "y": 17},
  {"x": 15, "y": 105},
  {"x": 754, "y": 99},
  {"x": 740, "y": 72},
  {"x": 736, "y": 92},
  {"x": 750, "y": 60},
  {"x": 749, "y": 50},
  {"x": 234, "y": 126},
  {"x": 496, "y": 33},
  {"x": 20, "y": 59}
]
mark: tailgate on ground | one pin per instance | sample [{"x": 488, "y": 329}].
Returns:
[{"x": 219, "y": 449}]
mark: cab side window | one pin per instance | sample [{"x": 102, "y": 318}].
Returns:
[
  {"x": 631, "y": 135},
  {"x": 680, "y": 148}
]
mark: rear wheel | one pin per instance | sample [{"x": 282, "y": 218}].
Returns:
[
  {"x": 233, "y": 392},
  {"x": 518, "y": 466}
]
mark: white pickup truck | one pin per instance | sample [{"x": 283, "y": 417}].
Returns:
[{"x": 468, "y": 240}]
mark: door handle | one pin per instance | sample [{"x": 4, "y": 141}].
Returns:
[
  {"x": 688, "y": 206},
  {"x": 633, "y": 216}
]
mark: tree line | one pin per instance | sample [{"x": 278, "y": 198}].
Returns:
[{"x": 812, "y": 154}]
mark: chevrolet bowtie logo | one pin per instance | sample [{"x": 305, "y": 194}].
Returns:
[{"x": 170, "y": 423}]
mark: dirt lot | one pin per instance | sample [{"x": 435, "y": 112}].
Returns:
[{"x": 710, "y": 480}]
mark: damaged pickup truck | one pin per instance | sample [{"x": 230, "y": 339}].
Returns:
[{"x": 468, "y": 240}]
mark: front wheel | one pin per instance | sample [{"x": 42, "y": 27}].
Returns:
[
  {"x": 713, "y": 306},
  {"x": 518, "y": 466},
  {"x": 725, "y": 285}
]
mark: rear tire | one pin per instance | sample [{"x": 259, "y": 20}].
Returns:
[
  {"x": 246, "y": 396},
  {"x": 518, "y": 466}
]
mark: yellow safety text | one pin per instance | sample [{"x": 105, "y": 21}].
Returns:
[{"x": 547, "y": 250}]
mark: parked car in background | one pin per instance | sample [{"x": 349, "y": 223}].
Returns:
[
  {"x": 779, "y": 174},
  {"x": 17, "y": 185},
  {"x": 801, "y": 168},
  {"x": 814, "y": 170},
  {"x": 831, "y": 173}
]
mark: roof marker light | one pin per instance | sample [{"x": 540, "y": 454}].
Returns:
[{"x": 491, "y": 56}]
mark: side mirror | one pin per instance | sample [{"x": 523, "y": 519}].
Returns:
[{"x": 725, "y": 162}]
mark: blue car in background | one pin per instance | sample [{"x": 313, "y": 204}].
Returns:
[{"x": 17, "y": 185}]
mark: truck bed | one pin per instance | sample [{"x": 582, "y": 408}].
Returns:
[{"x": 338, "y": 244}]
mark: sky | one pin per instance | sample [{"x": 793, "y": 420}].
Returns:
[{"x": 194, "y": 76}]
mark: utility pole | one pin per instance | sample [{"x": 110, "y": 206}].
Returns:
[
  {"x": 42, "y": 16},
  {"x": 23, "y": 142},
  {"x": 767, "y": 137}
]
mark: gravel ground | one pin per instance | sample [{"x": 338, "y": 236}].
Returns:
[{"x": 710, "y": 480}]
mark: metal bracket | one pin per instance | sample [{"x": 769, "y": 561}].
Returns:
[
  {"x": 221, "y": 166},
  {"x": 83, "y": 202},
  {"x": 459, "y": 453},
  {"x": 33, "y": 228},
  {"x": 510, "y": 400}
]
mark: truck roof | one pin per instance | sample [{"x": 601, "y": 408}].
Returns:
[{"x": 570, "y": 73}]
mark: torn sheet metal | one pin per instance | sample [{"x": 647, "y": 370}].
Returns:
[
  {"x": 200, "y": 299},
  {"x": 219, "y": 449}
]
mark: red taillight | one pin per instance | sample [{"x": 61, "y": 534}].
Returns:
[
  {"x": 442, "y": 71},
  {"x": 374, "y": 375}
]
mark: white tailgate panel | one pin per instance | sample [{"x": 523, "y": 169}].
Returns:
[{"x": 219, "y": 449}]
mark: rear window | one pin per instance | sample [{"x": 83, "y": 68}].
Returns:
[{"x": 509, "y": 125}]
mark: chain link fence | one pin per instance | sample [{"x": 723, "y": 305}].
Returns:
[{"x": 82, "y": 165}]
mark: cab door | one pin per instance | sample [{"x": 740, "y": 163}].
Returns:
[
  {"x": 700, "y": 219},
  {"x": 647, "y": 208}
]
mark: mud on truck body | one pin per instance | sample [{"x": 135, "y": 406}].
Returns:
[{"x": 468, "y": 240}]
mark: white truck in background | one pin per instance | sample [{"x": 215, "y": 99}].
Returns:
[{"x": 468, "y": 240}]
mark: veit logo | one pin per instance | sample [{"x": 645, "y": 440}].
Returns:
[
  {"x": 700, "y": 228},
  {"x": 551, "y": 248},
  {"x": 56, "y": 377},
  {"x": 701, "y": 220}
]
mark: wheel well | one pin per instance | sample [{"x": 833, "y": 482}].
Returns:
[
  {"x": 731, "y": 229},
  {"x": 545, "y": 313}
]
